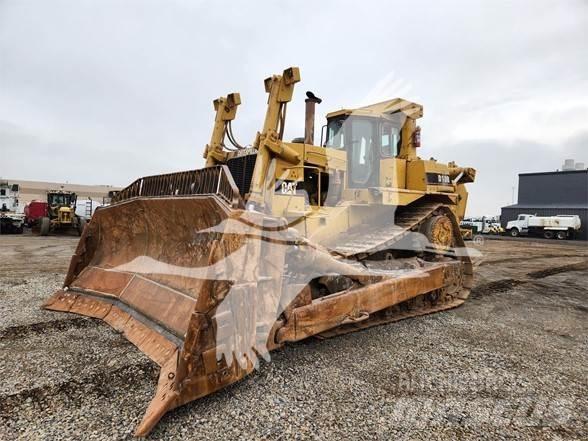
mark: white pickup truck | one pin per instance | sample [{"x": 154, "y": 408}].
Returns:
[{"x": 560, "y": 226}]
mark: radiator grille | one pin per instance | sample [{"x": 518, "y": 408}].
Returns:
[{"x": 241, "y": 169}]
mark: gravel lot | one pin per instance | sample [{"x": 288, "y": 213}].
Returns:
[{"x": 510, "y": 363}]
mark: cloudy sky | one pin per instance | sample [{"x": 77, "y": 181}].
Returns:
[{"x": 101, "y": 92}]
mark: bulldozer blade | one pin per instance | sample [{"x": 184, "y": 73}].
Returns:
[{"x": 199, "y": 301}]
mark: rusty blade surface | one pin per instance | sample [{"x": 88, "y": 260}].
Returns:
[{"x": 164, "y": 273}]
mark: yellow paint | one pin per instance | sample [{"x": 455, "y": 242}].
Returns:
[
  {"x": 393, "y": 173},
  {"x": 402, "y": 180}
]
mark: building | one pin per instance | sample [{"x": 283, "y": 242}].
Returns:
[
  {"x": 30, "y": 190},
  {"x": 550, "y": 194}
]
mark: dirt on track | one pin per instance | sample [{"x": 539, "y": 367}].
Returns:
[{"x": 511, "y": 362}]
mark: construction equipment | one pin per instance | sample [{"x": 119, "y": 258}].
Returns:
[
  {"x": 467, "y": 233},
  {"x": 107, "y": 200},
  {"x": 561, "y": 226},
  {"x": 481, "y": 225},
  {"x": 495, "y": 228},
  {"x": 11, "y": 216},
  {"x": 207, "y": 271},
  {"x": 61, "y": 213}
]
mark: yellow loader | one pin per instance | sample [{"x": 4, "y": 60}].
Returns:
[{"x": 208, "y": 271}]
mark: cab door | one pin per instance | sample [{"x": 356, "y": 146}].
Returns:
[
  {"x": 363, "y": 156},
  {"x": 392, "y": 168}
]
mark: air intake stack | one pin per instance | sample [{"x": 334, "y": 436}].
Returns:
[{"x": 311, "y": 102}]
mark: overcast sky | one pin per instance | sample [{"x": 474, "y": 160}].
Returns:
[{"x": 101, "y": 92}]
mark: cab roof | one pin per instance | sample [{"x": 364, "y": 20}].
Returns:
[
  {"x": 383, "y": 109},
  {"x": 60, "y": 192}
]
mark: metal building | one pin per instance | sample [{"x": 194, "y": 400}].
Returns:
[{"x": 552, "y": 193}]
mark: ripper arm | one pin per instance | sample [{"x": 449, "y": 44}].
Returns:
[{"x": 269, "y": 142}]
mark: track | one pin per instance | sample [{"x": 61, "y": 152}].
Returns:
[
  {"x": 366, "y": 241},
  {"x": 361, "y": 245}
]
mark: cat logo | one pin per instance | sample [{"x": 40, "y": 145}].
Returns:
[{"x": 289, "y": 187}]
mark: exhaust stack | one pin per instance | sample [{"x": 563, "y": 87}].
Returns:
[{"x": 311, "y": 102}]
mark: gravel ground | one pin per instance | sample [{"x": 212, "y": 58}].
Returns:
[{"x": 510, "y": 363}]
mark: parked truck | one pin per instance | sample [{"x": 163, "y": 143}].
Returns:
[
  {"x": 11, "y": 217},
  {"x": 560, "y": 226},
  {"x": 481, "y": 225},
  {"x": 34, "y": 211}
]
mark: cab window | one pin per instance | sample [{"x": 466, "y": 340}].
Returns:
[
  {"x": 362, "y": 157},
  {"x": 60, "y": 199},
  {"x": 336, "y": 134},
  {"x": 389, "y": 140}
]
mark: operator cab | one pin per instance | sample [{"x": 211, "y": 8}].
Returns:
[
  {"x": 61, "y": 199},
  {"x": 367, "y": 140}
]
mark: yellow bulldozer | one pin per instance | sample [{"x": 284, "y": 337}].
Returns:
[{"x": 207, "y": 271}]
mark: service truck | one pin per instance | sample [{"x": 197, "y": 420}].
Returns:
[{"x": 560, "y": 226}]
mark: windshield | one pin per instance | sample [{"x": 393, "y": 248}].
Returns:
[
  {"x": 366, "y": 141},
  {"x": 59, "y": 199}
]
